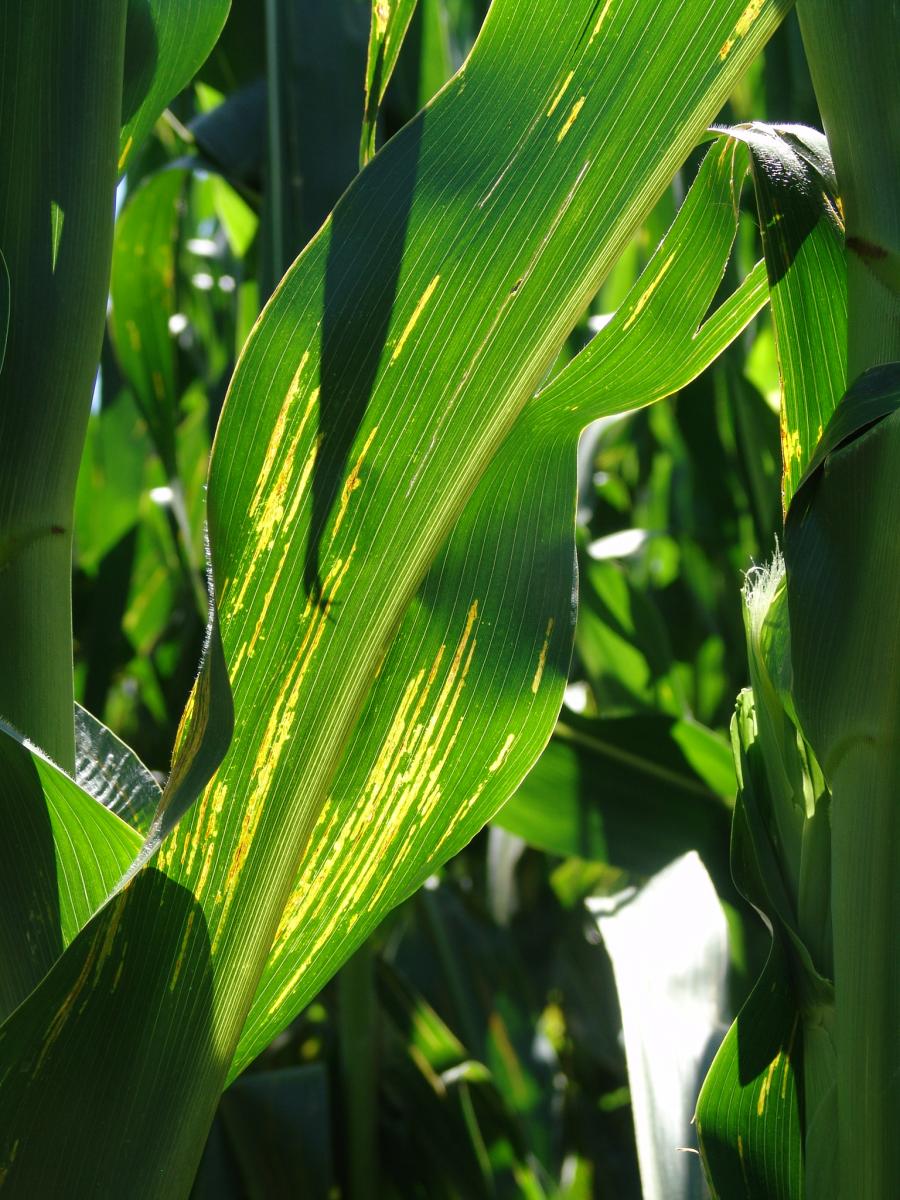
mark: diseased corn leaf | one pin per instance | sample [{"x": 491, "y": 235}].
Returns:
[
  {"x": 390, "y": 21},
  {"x": 468, "y": 691},
  {"x": 748, "y": 1114},
  {"x": 62, "y": 856},
  {"x": 166, "y": 42},
  {"x": 803, "y": 240},
  {"x": 112, "y": 773},
  {"x": 365, "y": 410},
  {"x": 602, "y": 783},
  {"x": 142, "y": 293}
]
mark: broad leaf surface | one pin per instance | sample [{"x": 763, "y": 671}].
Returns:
[
  {"x": 363, "y": 414},
  {"x": 460, "y": 707}
]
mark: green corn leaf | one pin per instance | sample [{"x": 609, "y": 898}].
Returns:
[
  {"x": 390, "y": 21},
  {"x": 748, "y": 1114},
  {"x": 112, "y": 773},
  {"x": 356, "y": 438},
  {"x": 166, "y": 42},
  {"x": 601, "y": 784},
  {"x": 803, "y": 240},
  {"x": 62, "y": 856},
  {"x": 142, "y": 292}
]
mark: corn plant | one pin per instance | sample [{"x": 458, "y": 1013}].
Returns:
[{"x": 390, "y": 523}]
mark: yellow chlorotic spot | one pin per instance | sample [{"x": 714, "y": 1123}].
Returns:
[
  {"x": 159, "y": 386},
  {"x": 134, "y": 336},
  {"x": 382, "y": 16},
  {"x": 411, "y": 323},
  {"x": 277, "y": 437},
  {"x": 571, "y": 118},
  {"x": 742, "y": 28},
  {"x": 790, "y": 1047},
  {"x": 600, "y": 20},
  {"x": 766, "y": 1084},
  {"x": 559, "y": 95},
  {"x": 542, "y": 658},
  {"x": 276, "y": 737},
  {"x": 642, "y": 302},
  {"x": 352, "y": 483},
  {"x": 270, "y": 496},
  {"x": 504, "y": 751},
  {"x": 179, "y": 962},
  {"x": 126, "y": 150},
  {"x": 400, "y": 794},
  {"x": 790, "y": 445}
]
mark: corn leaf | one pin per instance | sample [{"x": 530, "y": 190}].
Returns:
[
  {"x": 142, "y": 295},
  {"x": 748, "y": 1115},
  {"x": 841, "y": 533},
  {"x": 781, "y": 836},
  {"x": 166, "y": 42},
  {"x": 390, "y": 21},
  {"x": 803, "y": 240},
  {"x": 602, "y": 783},
  {"x": 112, "y": 773},
  {"x": 497, "y": 601},
  {"x": 363, "y": 415},
  {"x": 62, "y": 856}
]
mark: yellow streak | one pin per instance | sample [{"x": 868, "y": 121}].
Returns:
[
  {"x": 559, "y": 95},
  {"x": 542, "y": 658},
  {"x": 126, "y": 150},
  {"x": 600, "y": 21},
  {"x": 276, "y": 737},
  {"x": 405, "y": 776},
  {"x": 504, "y": 751},
  {"x": 742, "y": 28},
  {"x": 382, "y": 16},
  {"x": 571, "y": 118},
  {"x": 277, "y": 435},
  {"x": 352, "y": 483},
  {"x": 411, "y": 323},
  {"x": 766, "y": 1084},
  {"x": 273, "y": 503},
  {"x": 639, "y": 307}
]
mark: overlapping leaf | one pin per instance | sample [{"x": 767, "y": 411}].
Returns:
[
  {"x": 390, "y": 21},
  {"x": 363, "y": 415},
  {"x": 166, "y": 41}
]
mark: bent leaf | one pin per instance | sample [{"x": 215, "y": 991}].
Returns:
[{"x": 166, "y": 42}]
